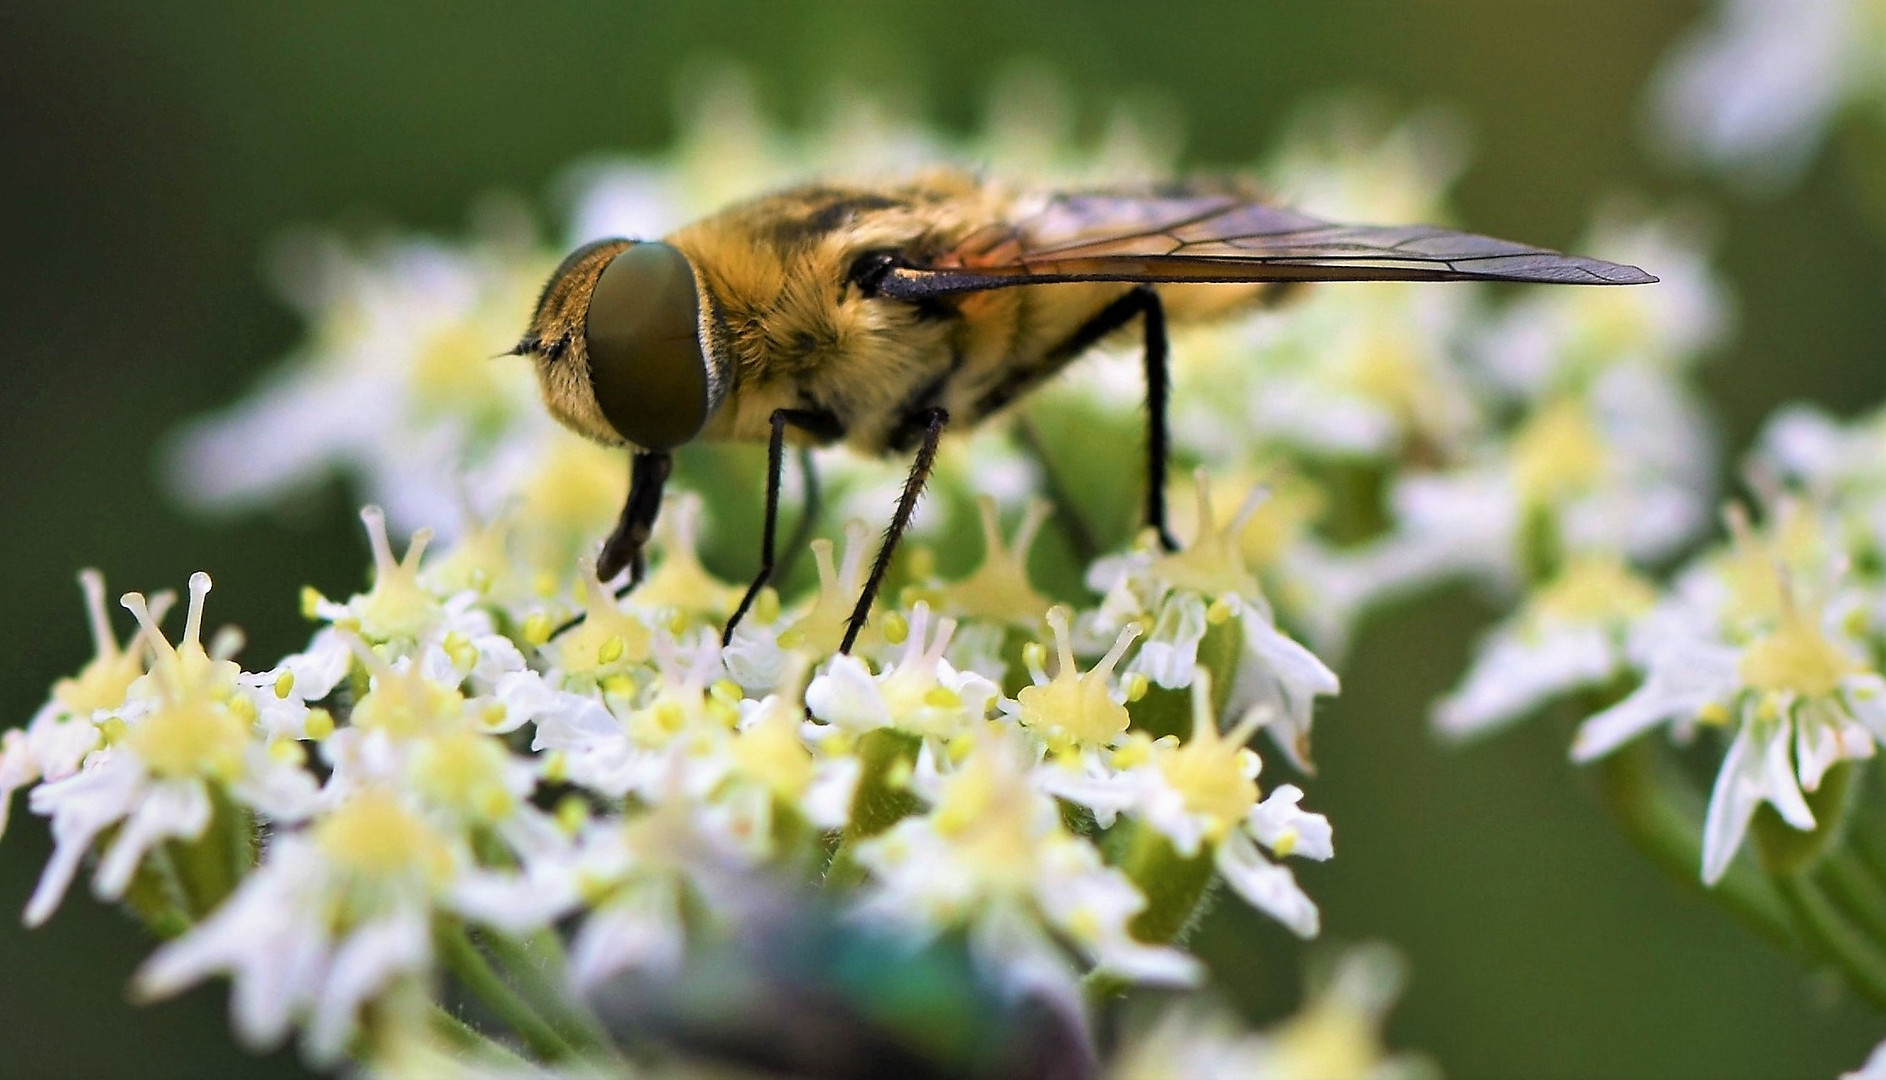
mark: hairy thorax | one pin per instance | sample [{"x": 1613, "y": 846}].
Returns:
[{"x": 790, "y": 327}]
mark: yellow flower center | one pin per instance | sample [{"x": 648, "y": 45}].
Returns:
[
  {"x": 607, "y": 641},
  {"x": 1595, "y": 588},
  {"x": 770, "y": 751},
  {"x": 405, "y": 704},
  {"x": 396, "y": 608},
  {"x": 1214, "y": 772},
  {"x": 194, "y": 737},
  {"x": 100, "y": 684},
  {"x": 203, "y": 723},
  {"x": 479, "y": 562},
  {"x": 1558, "y": 452},
  {"x": 570, "y": 499},
  {"x": 822, "y": 628},
  {"x": 985, "y": 810},
  {"x": 1792, "y": 539},
  {"x": 1073, "y": 705},
  {"x": 1213, "y": 563},
  {"x": 999, "y": 589},
  {"x": 1328, "y": 1039},
  {"x": 465, "y": 772},
  {"x": 680, "y": 582},
  {"x": 1795, "y": 658},
  {"x": 374, "y": 836}
]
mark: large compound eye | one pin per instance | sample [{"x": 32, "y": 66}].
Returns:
[{"x": 643, "y": 338}]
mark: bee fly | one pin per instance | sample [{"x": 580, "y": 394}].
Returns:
[{"x": 880, "y": 316}]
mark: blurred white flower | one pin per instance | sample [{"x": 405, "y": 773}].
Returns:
[
  {"x": 1799, "y": 694},
  {"x": 1335, "y": 1035},
  {"x": 1755, "y": 89},
  {"x": 1569, "y": 635},
  {"x": 1874, "y": 1067},
  {"x": 321, "y": 928}
]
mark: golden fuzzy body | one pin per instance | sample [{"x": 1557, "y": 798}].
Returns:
[
  {"x": 884, "y": 315},
  {"x": 787, "y": 324}
]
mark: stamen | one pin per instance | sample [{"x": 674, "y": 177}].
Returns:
[
  {"x": 193, "y": 617},
  {"x": 104, "y": 642},
  {"x": 1201, "y": 487},
  {"x": 1204, "y": 724},
  {"x": 1063, "y": 647},
  {"x": 1105, "y": 667},
  {"x": 415, "y": 549},
  {"x": 822, "y": 556},
  {"x": 1260, "y": 494},
  {"x": 1034, "y": 515},
  {"x": 383, "y": 561},
  {"x": 857, "y": 535},
  {"x": 134, "y": 603}
]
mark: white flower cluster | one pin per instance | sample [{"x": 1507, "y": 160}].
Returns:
[
  {"x": 1773, "y": 638},
  {"x": 441, "y": 756}
]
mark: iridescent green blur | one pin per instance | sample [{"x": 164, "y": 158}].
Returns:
[{"x": 155, "y": 152}]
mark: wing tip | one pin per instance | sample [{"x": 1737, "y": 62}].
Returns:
[{"x": 1626, "y": 274}]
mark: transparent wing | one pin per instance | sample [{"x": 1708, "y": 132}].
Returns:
[{"x": 1106, "y": 236}]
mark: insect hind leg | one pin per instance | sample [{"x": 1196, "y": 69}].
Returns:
[
  {"x": 1142, "y": 301},
  {"x": 1158, "y": 394}
]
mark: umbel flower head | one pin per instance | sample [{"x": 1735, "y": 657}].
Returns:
[{"x": 488, "y": 776}]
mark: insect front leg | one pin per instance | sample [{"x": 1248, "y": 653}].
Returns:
[
  {"x": 775, "y": 460},
  {"x": 934, "y": 421},
  {"x": 648, "y": 473}
]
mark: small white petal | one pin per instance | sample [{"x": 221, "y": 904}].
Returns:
[
  {"x": 1278, "y": 820},
  {"x": 1266, "y": 886},
  {"x": 846, "y": 695}
]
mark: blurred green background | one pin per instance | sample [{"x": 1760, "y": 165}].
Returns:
[{"x": 153, "y": 151}]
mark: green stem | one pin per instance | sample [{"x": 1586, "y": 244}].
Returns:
[
  {"x": 1862, "y": 842},
  {"x": 1857, "y": 892},
  {"x": 1175, "y": 887},
  {"x": 1173, "y": 884},
  {"x": 471, "y": 1042},
  {"x": 210, "y": 867},
  {"x": 1660, "y": 812},
  {"x": 883, "y": 797},
  {"x": 537, "y": 966},
  {"x": 1832, "y": 936},
  {"x": 157, "y": 896},
  {"x": 464, "y": 960}
]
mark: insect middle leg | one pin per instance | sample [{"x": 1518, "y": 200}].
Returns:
[
  {"x": 934, "y": 421},
  {"x": 775, "y": 460}
]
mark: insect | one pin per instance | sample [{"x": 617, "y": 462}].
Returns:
[{"x": 882, "y": 316}]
